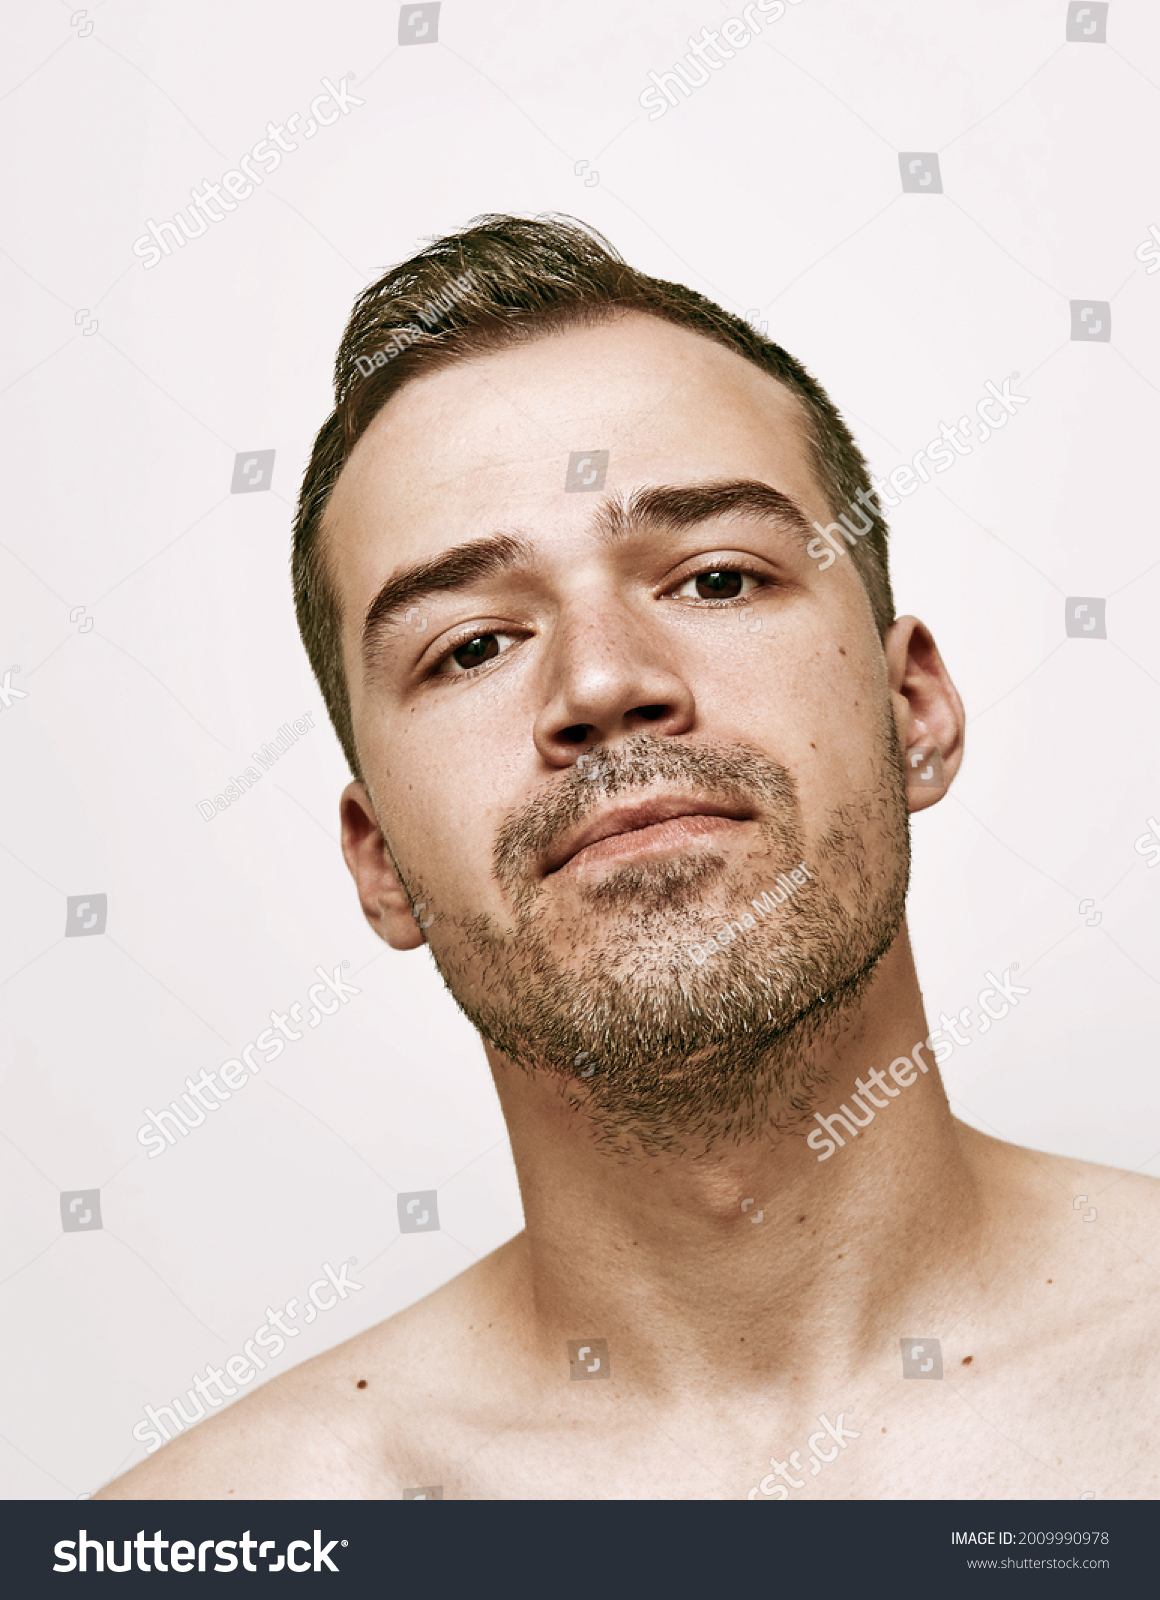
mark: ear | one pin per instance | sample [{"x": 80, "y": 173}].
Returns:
[
  {"x": 386, "y": 904},
  {"x": 927, "y": 712}
]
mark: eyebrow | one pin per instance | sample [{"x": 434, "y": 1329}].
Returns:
[{"x": 673, "y": 507}]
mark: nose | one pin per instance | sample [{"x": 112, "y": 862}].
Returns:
[{"x": 609, "y": 676}]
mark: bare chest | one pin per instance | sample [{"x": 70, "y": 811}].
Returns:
[{"x": 1015, "y": 1435}]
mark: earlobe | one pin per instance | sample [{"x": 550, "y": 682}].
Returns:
[
  {"x": 926, "y": 779},
  {"x": 928, "y": 712},
  {"x": 385, "y": 903}
]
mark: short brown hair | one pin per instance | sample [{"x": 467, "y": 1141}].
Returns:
[{"x": 502, "y": 281}]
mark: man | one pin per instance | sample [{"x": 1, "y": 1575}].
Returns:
[{"x": 645, "y": 762}]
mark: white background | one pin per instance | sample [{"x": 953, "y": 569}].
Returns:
[{"x": 777, "y": 186}]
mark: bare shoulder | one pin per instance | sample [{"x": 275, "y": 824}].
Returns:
[
  {"x": 1110, "y": 1196},
  {"x": 1051, "y": 1333},
  {"x": 341, "y": 1426},
  {"x": 1086, "y": 1232}
]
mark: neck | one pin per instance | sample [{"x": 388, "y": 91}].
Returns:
[{"x": 757, "y": 1261}]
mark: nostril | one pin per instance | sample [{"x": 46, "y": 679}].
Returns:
[
  {"x": 650, "y": 713},
  {"x": 578, "y": 734}
]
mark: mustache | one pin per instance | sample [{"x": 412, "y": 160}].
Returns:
[{"x": 734, "y": 773}]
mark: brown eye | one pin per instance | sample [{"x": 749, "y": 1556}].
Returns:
[
  {"x": 484, "y": 647},
  {"x": 719, "y": 585}
]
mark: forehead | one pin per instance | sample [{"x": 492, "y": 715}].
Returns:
[{"x": 483, "y": 446}]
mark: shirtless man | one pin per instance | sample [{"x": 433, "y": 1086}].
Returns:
[{"x": 645, "y": 757}]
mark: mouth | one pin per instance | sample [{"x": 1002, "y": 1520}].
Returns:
[{"x": 649, "y": 827}]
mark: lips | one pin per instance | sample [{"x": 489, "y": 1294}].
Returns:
[{"x": 632, "y": 818}]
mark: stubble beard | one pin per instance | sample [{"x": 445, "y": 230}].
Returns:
[{"x": 655, "y": 1053}]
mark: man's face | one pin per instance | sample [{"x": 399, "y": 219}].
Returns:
[{"x": 614, "y": 658}]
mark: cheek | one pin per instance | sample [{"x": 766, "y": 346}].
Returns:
[
  {"x": 446, "y": 775},
  {"x": 821, "y": 712},
  {"x": 445, "y": 812}
]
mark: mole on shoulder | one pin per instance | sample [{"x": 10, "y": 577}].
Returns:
[{"x": 361, "y": 1384}]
